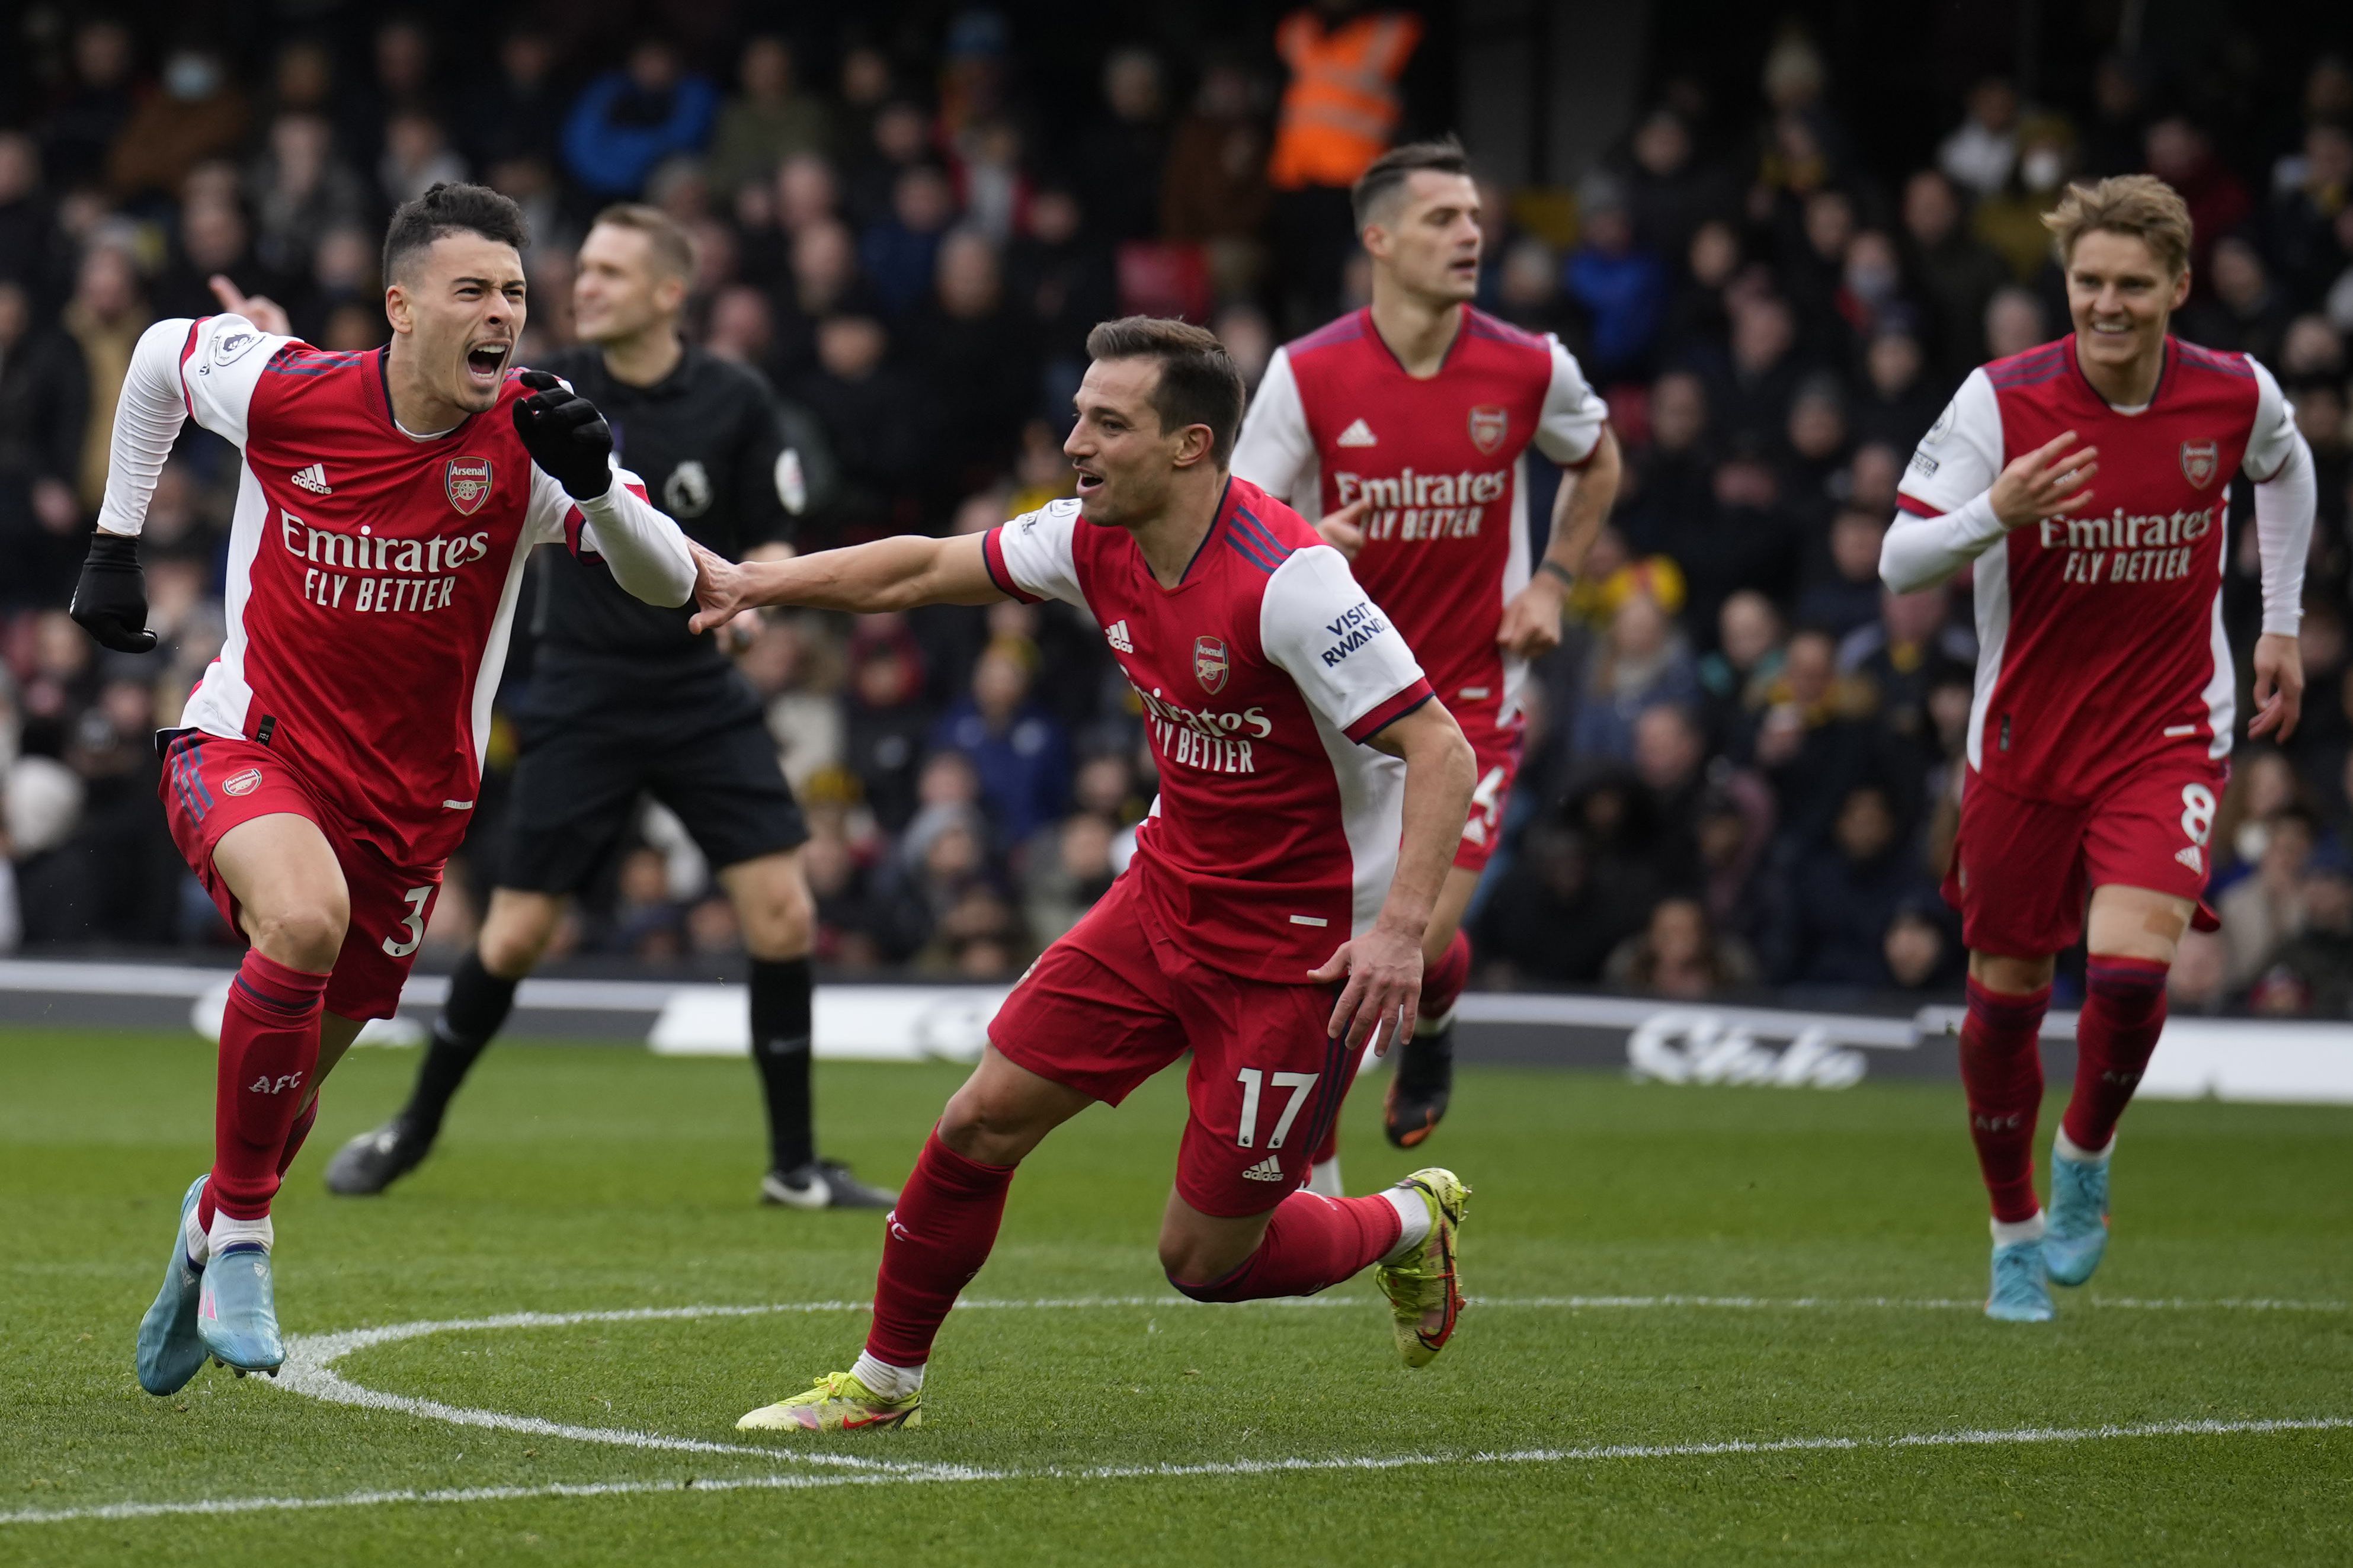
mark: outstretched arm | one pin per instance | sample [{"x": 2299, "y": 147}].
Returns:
[{"x": 896, "y": 574}]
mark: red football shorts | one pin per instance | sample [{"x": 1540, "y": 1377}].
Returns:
[
  {"x": 2022, "y": 869},
  {"x": 210, "y": 784},
  {"x": 1499, "y": 752},
  {"x": 1106, "y": 1006}
]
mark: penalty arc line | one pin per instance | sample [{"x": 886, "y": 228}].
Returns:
[{"x": 1594, "y": 1454}]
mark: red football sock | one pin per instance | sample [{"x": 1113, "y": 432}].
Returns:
[
  {"x": 933, "y": 1242},
  {"x": 1311, "y": 1243},
  {"x": 295, "y": 1134},
  {"x": 2001, "y": 1074},
  {"x": 1441, "y": 985},
  {"x": 269, "y": 1046},
  {"x": 2124, "y": 1009}
]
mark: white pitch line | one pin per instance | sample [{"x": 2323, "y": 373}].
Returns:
[{"x": 934, "y": 1476}]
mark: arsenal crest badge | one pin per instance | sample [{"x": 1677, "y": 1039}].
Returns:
[
  {"x": 245, "y": 783},
  {"x": 1209, "y": 663},
  {"x": 2199, "y": 461},
  {"x": 468, "y": 481},
  {"x": 1488, "y": 425}
]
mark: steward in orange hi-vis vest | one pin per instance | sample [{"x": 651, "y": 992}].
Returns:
[{"x": 1342, "y": 105}]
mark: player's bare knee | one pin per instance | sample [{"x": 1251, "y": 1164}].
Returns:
[
  {"x": 778, "y": 926},
  {"x": 304, "y": 934}
]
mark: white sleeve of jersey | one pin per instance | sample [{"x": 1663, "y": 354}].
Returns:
[
  {"x": 1275, "y": 450},
  {"x": 645, "y": 550},
  {"x": 1318, "y": 627},
  {"x": 2272, "y": 440},
  {"x": 1033, "y": 558},
  {"x": 1948, "y": 521},
  {"x": 1574, "y": 416},
  {"x": 2287, "y": 494},
  {"x": 206, "y": 367}
]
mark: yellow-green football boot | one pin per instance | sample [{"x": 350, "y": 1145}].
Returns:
[
  {"x": 839, "y": 1402},
  {"x": 1425, "y": 1297}
]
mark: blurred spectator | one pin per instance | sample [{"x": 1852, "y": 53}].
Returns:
[
  {"x": 766, "y": 121},
  {"x": 2261, "y": 912},
  {"x": 1126, "y": 154},
  {"x": 977, "y": 356},
  {"x": 1921, "y": 952},
  {"x": 1958, "y": 272},
  {"x": 1981, "y": 153},
  {"x": 1680, "y": 957},
  {"x": 416, "y": 156},
  {"x": 1070, "y": 866},
  {"x": 1847, "y": 595},
  {"x": 2242, "y": 313},
  {"x": 900, "y": 254},
  {"x": 1620, "y": 283},
  {"x": 627, "y": 121},
  {"x": 1016, "y": 749},
  {"x": 1214, "y": 189},
  {"x": 2180, "y": 154},
  {"x": 872, "y": 416},
  {"x": 1341, "y": 108},
  {"x": 105, "y": 316},
  {"x": 95, "y": 103},
  {"x": 1643, "y": 663},
  {"x": 301, "y": 189},
  {"x": 1548, "y": 922},
  {"x": 44, "y": 406},
  {"x": 1845, "y": 895},
  {"x": 2014, "y": 322},
  {"x": 2312, "y": 975},
  {"x": 200, "y": 114}
]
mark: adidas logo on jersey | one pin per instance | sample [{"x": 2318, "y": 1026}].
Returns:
[
  {"x": 1116, "y": 635},
  {"x": 1357, "y": 433},
  {"x": 314, "y": 479},
  {"x": 2191, "y": 859},
  {"x": 1267, "y": 1170}
]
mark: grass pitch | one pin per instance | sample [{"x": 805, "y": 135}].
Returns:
[{"x": 1720, "y": 1325}]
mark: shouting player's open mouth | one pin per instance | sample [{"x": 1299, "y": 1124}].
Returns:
[
  {"x": 1089, "y": 481},
  {"x": 486, "y": 361}
]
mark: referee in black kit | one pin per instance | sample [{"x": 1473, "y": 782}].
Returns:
[{"x": 625, "y": 699}]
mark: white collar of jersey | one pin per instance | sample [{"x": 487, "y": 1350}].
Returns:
[{"x": 412, "y": 435}]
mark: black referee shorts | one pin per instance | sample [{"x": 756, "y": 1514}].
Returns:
[{"x": 577, "y": 780}]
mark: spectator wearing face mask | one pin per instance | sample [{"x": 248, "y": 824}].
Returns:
[{"x": 200, "y": 114}]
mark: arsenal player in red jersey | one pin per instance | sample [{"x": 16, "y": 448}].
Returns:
[
  {"x": 2086, "y": 483},
  {"x": 1406, "y": 427},
  {"x": 331, "y": 754},
  {"x": 1272, "y": 921}
]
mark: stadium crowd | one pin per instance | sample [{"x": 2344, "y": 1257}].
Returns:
[{"x": 1743, "y": 761}]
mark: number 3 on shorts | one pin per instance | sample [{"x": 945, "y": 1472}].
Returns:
[
  {"x": 1299, "y": 1083},
  {"x": 416, "y": 897},
  {"x": 2197, "y": 812}
]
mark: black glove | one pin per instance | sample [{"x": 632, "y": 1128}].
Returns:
[
  {"x": 110, "y": 600},
  {"x": 565, "y": 435}
]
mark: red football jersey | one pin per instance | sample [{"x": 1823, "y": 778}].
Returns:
[
  {"x": 1444, "y": 460},
  {"x": 2100, "y": 634},
  {"x": 1262, "y": 675},
  {"x": 373, "y": 576}
]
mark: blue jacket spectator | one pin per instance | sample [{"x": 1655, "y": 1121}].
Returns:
[
  {"x": 1622, "y": 288},
  {"x": 628, "y": 122},
  {"x": 1020, "y": 752}
]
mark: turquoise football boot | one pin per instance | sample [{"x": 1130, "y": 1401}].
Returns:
[
  {"x": 2020, "y": 1294},
  {"x": 236, "y": 1310},
  {"x": 170, "y": 1350},
  {"x": 2078, "y": 1234}
]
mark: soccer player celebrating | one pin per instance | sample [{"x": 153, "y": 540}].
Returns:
[
  {"x": 332, "y": 750},
  {"x": 624, "y": 699},
  {"x": 1311, "y": 793},
  {"x": 1406, "y": 427},
  {"x": 2098, "y": 741}
]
